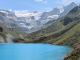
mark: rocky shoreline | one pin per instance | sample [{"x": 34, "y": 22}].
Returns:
[{"x": 75, "y": 55}]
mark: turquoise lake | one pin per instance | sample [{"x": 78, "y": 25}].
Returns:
[{"x": 33, "y": 52}]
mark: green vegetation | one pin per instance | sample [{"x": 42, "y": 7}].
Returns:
[{"x": 65, "y": 31}]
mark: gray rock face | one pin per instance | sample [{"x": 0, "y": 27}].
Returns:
[
  {"x": 68, "y": 8},
  {"x": 6, "y": 38},
  {"x": 2, "y": 39},
  {"x": 32, "y": 23}
]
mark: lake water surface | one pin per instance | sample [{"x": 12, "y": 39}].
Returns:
[{"x": 33, "y": 52}]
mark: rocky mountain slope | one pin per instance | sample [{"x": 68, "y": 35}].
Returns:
[
  {"x": 63, "y": 31},
  {"x": 68, "y": 34}
]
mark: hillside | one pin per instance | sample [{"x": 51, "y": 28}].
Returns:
[
  {"x": 65, "y": 31},
  {"x": 61, "y": 25}
]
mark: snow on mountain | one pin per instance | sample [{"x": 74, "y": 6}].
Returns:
[
  {"x": 35, "y": 20},
  {"x": 27, "y": 22},
  {"x": 29, "y": 15},
  {"x": 32, "y": 21},
  {"x": 53, "y": 17},
  {"x": 68, "y": 8},
  {"x": 7, "y": 17}
]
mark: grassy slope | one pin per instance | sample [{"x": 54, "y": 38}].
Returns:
[
  {"x": 58, "y": 32},
  {"x": 69, "y": 34}
]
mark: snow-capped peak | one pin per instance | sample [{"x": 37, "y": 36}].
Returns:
[
  {"x": 61, "y": 8},
  {"x": 27, "y": 14}
]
